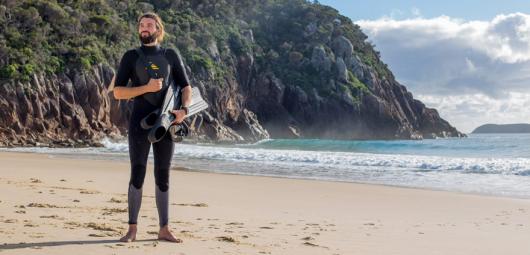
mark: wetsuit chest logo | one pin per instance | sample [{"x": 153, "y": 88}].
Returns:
[
  {"x": 153, "y": 66},
  {"x": 158, "y": 66}
]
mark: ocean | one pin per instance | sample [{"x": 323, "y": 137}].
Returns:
[{"x": 492, "y": 164}]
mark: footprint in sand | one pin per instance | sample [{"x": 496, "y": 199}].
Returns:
[
  {"x": 193, "y": 205},
  {"x": 188, "y": 234},
  {"x": 111, "y": 211},
  {"x": 35, "y": 180},
  {"x": 39, "y": 205},
  {"x": 37, "y": 235},
  {"x": 235, "y": 223},
  {"x": 89, "y": 192},
  {"x": 117, "y": 200},
  {"x": 105, "y": 229},
  {"x": 311, "y": 244},
  {"x": 31, "y": 225},
  {"x": 55, "y": 216},
  {"x": 212, "y": 226},
  {"x": 308, "y": 238},
  {"x": 96, "y": 235},
  {"x": 228, "y": 239},
  {"x": 101, "y": 226},
  {"x": 72, "y": 225},
  {"x": 154, "y": 244}
]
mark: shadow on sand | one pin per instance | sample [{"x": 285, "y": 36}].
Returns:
[{"x": 61, "y": 243}]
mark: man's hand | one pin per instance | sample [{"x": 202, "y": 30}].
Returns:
[
  {"x": 179, "y": 116},
  {"x": 154, "y": 85}
]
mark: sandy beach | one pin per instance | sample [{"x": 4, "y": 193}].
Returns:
[{"x": 56, "y": 205}]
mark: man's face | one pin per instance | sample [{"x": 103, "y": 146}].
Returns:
[{"x": 147, "y": 30}]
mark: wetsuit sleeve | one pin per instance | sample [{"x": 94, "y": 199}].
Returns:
[
  {"x": 125, "y": 70},
  {"x": 178, "y": 69}
]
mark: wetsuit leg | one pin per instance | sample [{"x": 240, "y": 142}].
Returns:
[
  {"x": 163, "y": 152},
  {"x": 139, "y": 148}
]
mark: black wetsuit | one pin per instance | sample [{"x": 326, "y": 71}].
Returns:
[{"x": 168, "y": 65}]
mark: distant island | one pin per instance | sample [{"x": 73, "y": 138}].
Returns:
[{"x": 507, "y": 128}]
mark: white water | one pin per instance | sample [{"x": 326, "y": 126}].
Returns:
[{"x": 505, "y": 176}]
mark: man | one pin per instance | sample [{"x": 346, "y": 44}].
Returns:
[{"x": 148, "y": 94}]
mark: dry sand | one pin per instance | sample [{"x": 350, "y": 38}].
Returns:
[{"x": 54, "y": 205}]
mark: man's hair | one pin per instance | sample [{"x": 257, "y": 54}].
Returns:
[{"x": 159, "y": 24}]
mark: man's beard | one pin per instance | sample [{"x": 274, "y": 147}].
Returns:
[{"x": 151, "y": 38}]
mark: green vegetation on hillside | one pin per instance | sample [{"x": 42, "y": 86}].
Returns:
[{"x": 61, "y": 36}]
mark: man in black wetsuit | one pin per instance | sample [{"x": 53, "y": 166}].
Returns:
[{"x": 148, "y": 94}]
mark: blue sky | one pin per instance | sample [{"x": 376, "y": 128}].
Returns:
[
  {"x": 464, "y": 9},
  {"x": 469, "y": 59}
]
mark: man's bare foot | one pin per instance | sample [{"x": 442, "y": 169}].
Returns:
[
  {"x": 165, "y": 234},
  {"x": 131, "y": 234}
]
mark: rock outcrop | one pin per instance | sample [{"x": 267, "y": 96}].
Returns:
[{"x": 268, "y": 69}]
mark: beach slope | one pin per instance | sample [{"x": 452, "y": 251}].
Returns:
[{"x": 56, "y": 205}]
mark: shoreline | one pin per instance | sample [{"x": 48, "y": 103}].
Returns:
[{"x": 111, "y": 157}]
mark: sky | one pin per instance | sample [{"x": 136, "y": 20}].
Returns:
[{"x": 469, "y": 59}]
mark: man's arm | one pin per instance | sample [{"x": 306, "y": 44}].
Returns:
[
  {"x": 154, "y": 85},
  {"x": 186, "y": 96},
  {"x": 181, "y": 80},
  {"x": 125, "y": 71},
  {"x": 180, "y": 114}
]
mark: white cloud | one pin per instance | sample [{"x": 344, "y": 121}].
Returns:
[
  {"x": 505, "y": 38},
  {"x": 471, "y": 111},
  {"x": 473, "y": 72}
]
